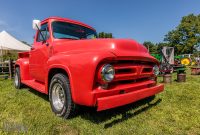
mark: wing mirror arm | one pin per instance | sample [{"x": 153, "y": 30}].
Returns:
[
  {"x": 41, "y": 34},
  {"x": 37, "y": 26}
]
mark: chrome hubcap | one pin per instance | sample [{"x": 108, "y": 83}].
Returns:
[
  {"x": 16, "y": 79},
  {"x": 58, "y": 96}
]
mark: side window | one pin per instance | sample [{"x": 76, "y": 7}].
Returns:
[{"x": 45, "y": 32}]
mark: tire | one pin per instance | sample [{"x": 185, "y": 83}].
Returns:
[
  {"x": 17, "y": 78},
  {"x": 60, "y": 96}
]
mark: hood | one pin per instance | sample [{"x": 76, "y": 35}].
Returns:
[{"x": 119, "y": 47}]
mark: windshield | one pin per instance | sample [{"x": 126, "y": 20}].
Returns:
[{"x": 65, "y": 30}]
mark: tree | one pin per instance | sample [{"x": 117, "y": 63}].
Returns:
[
  {"x": 152, "y": 48},
  {"x": 186, "y": 35},
  {"x": 26, "y": 43},
  {"x": 13, "y": 55},
  {"x": 105, "y": 35},
  {"x": 160, "y": 46}
]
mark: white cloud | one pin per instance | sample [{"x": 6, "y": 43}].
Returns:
[{"x": 5, "y": 26}]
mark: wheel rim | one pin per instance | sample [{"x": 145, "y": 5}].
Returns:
[
  {"x": 58, "y": 96},
  {"x": 16, "y": 79}
]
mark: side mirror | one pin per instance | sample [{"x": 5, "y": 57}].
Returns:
[{"x": 36, "y": 24}]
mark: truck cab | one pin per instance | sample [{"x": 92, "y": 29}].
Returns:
[{"x": 74, "y": 67}]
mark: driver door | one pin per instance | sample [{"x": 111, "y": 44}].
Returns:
[{"x": 39, "y": 54}]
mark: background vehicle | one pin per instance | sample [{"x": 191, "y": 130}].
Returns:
[
  {"x": 168, "y": 62},
  {"x": 69, "y": 64}
]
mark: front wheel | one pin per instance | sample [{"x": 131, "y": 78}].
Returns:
[
  {"x": 17, "y": 79},
  {"x": 60, "y": 96}
]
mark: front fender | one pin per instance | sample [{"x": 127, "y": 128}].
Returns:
[{"x": 81, "y": 68}]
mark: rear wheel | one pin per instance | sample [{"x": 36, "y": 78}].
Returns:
[
  {"x": 17, "y": 78},
  {"x": 60, "y": 96}
]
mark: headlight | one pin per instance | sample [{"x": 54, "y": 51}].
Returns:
[
  {"x": 107, "y": 73},
  {"x": 156, "y": 70}
]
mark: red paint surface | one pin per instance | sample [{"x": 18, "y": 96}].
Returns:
[{"x": 82, "y": 60}]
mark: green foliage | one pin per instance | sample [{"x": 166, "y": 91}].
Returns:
[
  {"x": 154, "y": 48},
  {"x": 186, "y": 35},
  {"x": 105, "y": 35},
  {"x": 10, "y": 55},
  {"x": 26, "y": 43},
  {"x": 160, "y": 46}
]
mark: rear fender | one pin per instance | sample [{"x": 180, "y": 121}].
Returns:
[{"x": 23, "y": 64}]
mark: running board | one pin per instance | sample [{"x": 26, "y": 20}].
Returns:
[{"x": 35, "y": 85}]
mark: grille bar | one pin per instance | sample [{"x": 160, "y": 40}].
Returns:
[{"x": 132, "y": 71}]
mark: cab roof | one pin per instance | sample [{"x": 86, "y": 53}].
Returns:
[{"x": 66, "y": 20}]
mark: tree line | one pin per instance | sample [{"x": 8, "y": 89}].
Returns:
[
  {"x": 105, "y": 35},
  {"x": 185, "y": 38}
]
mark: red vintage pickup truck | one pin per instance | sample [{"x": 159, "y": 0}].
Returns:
[{"x": 74, "y": 67}]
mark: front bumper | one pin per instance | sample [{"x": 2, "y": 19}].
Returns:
[{"x": 113, "y": 101}]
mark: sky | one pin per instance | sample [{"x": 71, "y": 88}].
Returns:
[{"x": 141, "y": 20}]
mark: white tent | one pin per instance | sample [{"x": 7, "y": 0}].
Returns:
[
  {"x": 9, "y": 45},
  {"x": 8, "y": 42}
]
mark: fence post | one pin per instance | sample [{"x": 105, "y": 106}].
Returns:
[{"x": 10, "y": 68}]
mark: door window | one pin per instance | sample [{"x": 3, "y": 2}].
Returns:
[{"x": 45, "y": 32}]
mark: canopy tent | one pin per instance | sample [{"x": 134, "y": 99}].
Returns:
[
  {"x": 10, "y": 45},
  {"x": 8, "y": 42}
]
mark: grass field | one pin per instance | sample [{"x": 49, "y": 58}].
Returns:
[{"x": 175, "y": 111}]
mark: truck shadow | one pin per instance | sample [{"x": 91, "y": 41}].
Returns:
[
  {"x": 39, "y": 94},
  {"x": 125, "y": 112}
]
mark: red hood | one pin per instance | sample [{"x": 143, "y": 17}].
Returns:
[{"x": 119, "y": 47}]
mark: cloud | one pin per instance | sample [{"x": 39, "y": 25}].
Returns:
[{"x": 5, "y": 26}]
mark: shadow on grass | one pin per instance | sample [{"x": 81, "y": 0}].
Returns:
[
  {"x": 126, "y": 112},
  {"x": 37, "y": 93},
  {"x": 127, "y": 115},
  {"x": 104, "y": 116}
]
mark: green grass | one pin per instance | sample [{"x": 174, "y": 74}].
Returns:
[{"x": 175, "y": 111}]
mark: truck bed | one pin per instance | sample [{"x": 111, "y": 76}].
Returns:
[{"x": 23, "y": 54}]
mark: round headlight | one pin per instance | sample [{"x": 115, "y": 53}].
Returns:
[
  {"x": 156, "y": 70},
  {"x": 107, "y": 73}
]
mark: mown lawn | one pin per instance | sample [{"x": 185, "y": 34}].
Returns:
[{"x": 175, "y": 111}]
